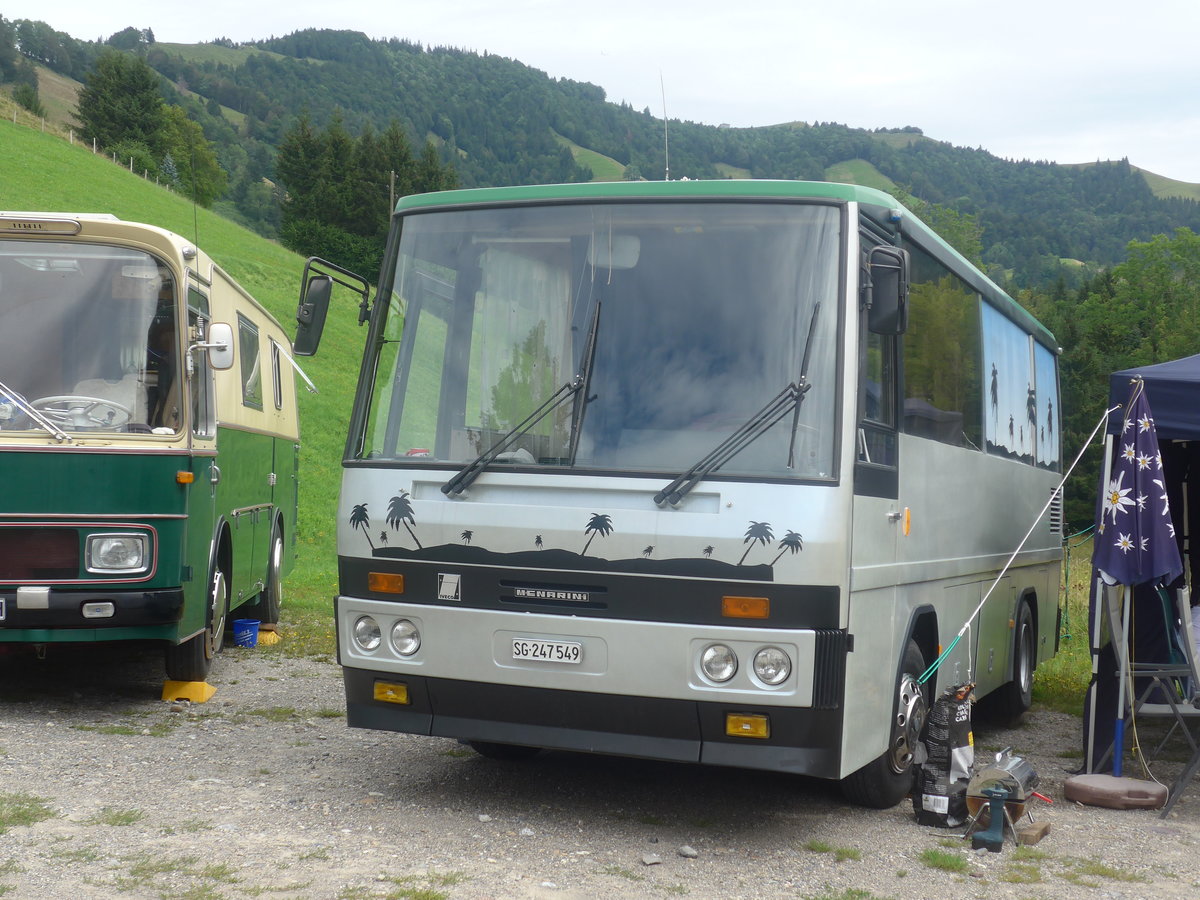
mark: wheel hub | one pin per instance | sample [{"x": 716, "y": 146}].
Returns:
[{"x": 910, "y": 719}]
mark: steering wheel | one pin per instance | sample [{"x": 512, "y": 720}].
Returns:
[{"x": 78, "y": 411}]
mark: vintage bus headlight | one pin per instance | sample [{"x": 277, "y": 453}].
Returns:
[
  {"x": 124, "y": 553},
  {"x": 718, "y": 662},
  {"x": 367, "y": 634},
  {"x": 772, "y": 665},
  {"x": 406, "y": 639}
]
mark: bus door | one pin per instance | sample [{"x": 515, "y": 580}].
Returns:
[
  {"x": 247, "y": 455},
  {"x": 202, "y": 492}
]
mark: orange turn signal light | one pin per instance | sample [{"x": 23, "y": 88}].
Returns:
[
  {"x": 185, "y": 477},
  {"x": 737, "y": 725},
  {"x": 391, "y": 692},
  {"x": 385, "y": 582},
  {"x": 746, "y": 607}
]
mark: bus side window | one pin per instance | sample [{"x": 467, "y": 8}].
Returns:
[
  {"x": 877, "y": 429},
  {"x": 204, "y": 414}
]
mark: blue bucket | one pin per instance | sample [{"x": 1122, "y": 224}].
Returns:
[{"x": 245, "y": 632}]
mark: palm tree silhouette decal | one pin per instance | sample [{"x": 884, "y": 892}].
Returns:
[
  {"x": 790, "y": 542},
  {"x": 466, "y": 536},
  {"x": 708, "y": 551},
  {"x": 758, "y": 532},
  {"x": 537, "y": 541},
  {"x": 383, "y": 537},
  {"x": 360, "y": 519},
  {"x": 401, "y": 511},
  {"x": 649, "y": 550},
  {"x": 600, "y": 524}
]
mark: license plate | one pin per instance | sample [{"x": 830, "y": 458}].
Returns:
[{"x": 547, "y": 651}]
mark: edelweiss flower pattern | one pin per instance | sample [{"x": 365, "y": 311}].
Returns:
[{"x": 1135, "y": 538}]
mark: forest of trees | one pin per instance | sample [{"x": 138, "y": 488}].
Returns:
[
  {"x": 339, "y": 190},
  {"x": 310, "y": 139}
]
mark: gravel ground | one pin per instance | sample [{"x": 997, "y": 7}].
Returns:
[{"x": 264, "y": 792}]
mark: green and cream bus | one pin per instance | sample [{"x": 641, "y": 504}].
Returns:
[
  {"x": 698, "y": 471},
  {"x": 148, "y": 441}
]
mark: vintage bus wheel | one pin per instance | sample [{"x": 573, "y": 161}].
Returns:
[
  {"x": 887, "y": 779},
  {"x": 1014, "y": 698},
  {"x": 270, "y": 600},
  {"x": 192, "y": 660},
  {"x": 503, "y": 751}
]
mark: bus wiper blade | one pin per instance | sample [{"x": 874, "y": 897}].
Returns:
[
  {"x": 585, "y": 375},
  {"x": 758, "y": 424},
  {"x": 37, "y": 417},
  {"x": 463, "y": 480}
]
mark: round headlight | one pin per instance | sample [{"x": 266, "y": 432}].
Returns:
[
  {"x": 718, "y": 662},
  {"x": 405, "y": 637},
  {"x": 366, "y": 633},
  {"x": 772, "y": 665}
]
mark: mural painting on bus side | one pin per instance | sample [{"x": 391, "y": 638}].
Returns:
[
  {"x": 400, "y": 513},
  {"x": 1020, "y": 372}
]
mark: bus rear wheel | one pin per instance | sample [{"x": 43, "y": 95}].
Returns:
[
  {"x": 1013, "y": 699},
  {"x": 270, "y": 600},
  {"x": 887, "y": 779},
  {"x": 192, "y": 660}
]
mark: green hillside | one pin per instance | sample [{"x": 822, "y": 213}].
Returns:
[{"x": 42, "y": 172}]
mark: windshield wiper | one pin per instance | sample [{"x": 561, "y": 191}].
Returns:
[
  {"x": 576, "y": 387},
  {"x": 787, "y": 400},
  {"x": 23, "y": 405}
]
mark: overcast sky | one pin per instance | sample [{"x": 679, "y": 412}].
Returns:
[{"x": 1059, "y": 80}]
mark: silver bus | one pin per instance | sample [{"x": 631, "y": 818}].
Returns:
[{"x": 697, "y": 471}]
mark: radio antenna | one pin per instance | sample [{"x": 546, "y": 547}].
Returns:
[{"x": 666, "y": 143}]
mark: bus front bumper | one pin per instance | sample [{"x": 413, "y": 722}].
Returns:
[
  {"x": 799, "y": 741},
  {"x": 39, "y": 615}
]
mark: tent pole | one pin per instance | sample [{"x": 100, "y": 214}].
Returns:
[{"x": 1097, "y": 599}]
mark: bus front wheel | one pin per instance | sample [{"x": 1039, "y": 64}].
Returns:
[
  {"x": 887, "y": 779},
  {"x": 192, "y": 660}
]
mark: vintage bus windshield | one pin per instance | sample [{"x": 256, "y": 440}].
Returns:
[
  {"x": 90, "y": 340},
  {"x": 682, "y": 318}
]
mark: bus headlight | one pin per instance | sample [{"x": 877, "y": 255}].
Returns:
[
  {"x": 406, "y": 639},
  {"x": 124, "y": 553},
  {"x": 366, "y": 633},
  {"x": 772, "y": 665},
  {"x": 718, "y": 662}
]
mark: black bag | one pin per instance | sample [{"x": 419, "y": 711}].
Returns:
[{"x": 940, "y": 794}]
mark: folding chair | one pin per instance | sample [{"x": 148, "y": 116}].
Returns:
[{"x": 1178, "y": 681}]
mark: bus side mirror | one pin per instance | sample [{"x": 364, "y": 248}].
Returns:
[
  {"x": 219, "y": 346},
  {"x": 310, "y": 314},
  {"x": 887, "y": 290}
]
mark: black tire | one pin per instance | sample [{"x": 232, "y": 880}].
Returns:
[
  {"x": 888, "y": 779},
  {"x": 1014, "y": 698},
  {"x": 192, "y": 660},
  {"x": 505, "y": 752},
  {"x": 269, "y": 602}
]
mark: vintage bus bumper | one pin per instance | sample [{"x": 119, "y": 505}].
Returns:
[
  {"x": 43, "y": 616},
  {"x": 634, "y": 693},
  {"x": 800, "y": 741}
]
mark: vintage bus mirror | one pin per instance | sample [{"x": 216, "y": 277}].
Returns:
[
  {"x": 310, "y": 314},
  {"x": 887, "y": 290},
  {"x": 219, "y": 345}
]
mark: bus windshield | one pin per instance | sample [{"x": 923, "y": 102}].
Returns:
[
  {"x": 90, "y": 340},
  {"x": 675, "y": 321}
]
